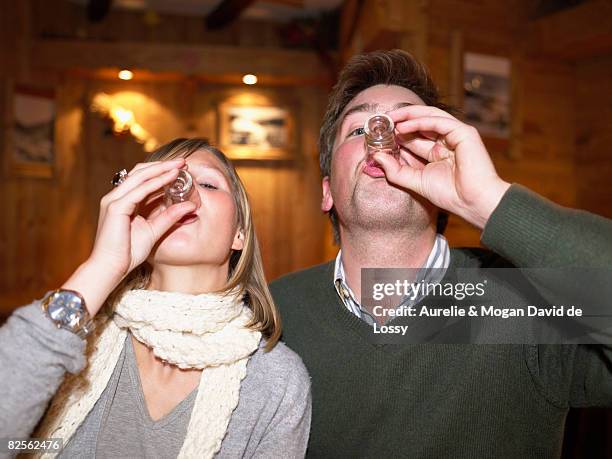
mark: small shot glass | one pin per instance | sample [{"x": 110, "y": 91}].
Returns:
[
  {"x": 380, "y": 136},
  {"x": 181, "y": 190}
]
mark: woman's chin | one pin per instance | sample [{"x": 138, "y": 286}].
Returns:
[
  {"x": 178, "y": 258},
  {"x": 175, "y": 243},
  {"x": 180, "y": 250}
]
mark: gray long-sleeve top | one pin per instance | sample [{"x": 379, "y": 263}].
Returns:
[
  {"x": 34, "y": 357},
  {"x": 272, "y": 418}
]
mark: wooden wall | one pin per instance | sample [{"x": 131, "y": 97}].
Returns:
[
  {"x": 48, "y": 225},
  {"x": 540, "y": 153},
  {"x": 594, "y": 134}
]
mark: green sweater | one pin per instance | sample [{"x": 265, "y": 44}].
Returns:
[{"x": 437, "y": 400}]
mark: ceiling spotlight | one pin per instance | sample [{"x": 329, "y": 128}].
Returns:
[
  {"x": 249, "y": 78},
  {"x": 125, "y": 75}
]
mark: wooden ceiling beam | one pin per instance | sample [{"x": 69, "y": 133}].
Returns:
[{"x": 211, "y": 61}]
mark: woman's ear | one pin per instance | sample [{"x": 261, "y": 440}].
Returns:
[{"x": 238, "y": 243}]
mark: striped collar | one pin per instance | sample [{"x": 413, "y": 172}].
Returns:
[{"x": 434, "y": 268}]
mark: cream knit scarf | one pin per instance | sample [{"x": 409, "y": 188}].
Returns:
[{"x": 206, "y": 331}]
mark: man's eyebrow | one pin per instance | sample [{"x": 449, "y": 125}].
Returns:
[
  {"x": 372, "y": 108},
  {"x": 365, "y": 107}
]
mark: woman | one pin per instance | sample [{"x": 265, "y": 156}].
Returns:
[{"x": 184, "y": 359}]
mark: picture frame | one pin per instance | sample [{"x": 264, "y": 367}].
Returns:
[
  {"x": 29, "y": 131},
  {"x": 256, "y": 131},
  {"x": 487, "y": 94}
]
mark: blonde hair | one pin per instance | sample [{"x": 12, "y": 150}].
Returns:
[{"x": 246, "y": 272}]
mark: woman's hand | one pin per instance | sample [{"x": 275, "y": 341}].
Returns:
[
  {"x": 459, "y": 175},
  {"x": 125, "y": 239}
]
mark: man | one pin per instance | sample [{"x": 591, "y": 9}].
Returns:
[{"x": 406, "y": 400}]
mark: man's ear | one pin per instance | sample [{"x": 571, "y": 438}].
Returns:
[
  {"x": 327, "y": 202},
  {"x": 238, "y": 243}
]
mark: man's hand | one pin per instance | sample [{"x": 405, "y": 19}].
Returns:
[{"x": 459, "y": 175}]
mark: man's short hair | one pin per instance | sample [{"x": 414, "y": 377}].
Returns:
[{"x": 390, "y": 67}]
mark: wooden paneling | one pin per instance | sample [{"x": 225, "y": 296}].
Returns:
[
  {"x": 574, "y": 33},
  {"x": 541, "y": 152},
  {"x": 378, "y": 24},
  {"x": 48, "y": 225},
  {"x": 594, "y": 136},
  {"x": 487, "y": 26},
  {"x": 45, "y": 224}
]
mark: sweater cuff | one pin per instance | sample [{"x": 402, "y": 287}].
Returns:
[
  {"x": 65, "y": 347},
  {"x": 522, "y": 227}
]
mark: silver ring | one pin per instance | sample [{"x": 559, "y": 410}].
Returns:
[{"x": 119, "y": 177}]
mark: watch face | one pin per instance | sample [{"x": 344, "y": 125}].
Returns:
[{"x": 66, "y": 308}]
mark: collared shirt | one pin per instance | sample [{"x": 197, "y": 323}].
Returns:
[{"x": 431, "y": 272}]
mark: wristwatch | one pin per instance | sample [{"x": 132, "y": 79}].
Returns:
[{"x": 66, "y": 308}]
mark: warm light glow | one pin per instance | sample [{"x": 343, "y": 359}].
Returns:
[
  {"x": 249, "y": 79},
  {"x": 125, "y": 75},
  {"x": 123, "y": 120}
]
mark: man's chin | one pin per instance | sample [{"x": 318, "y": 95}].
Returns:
[
  {"x": 378, "y": 206},
  {"x": 379, "y": 192}
]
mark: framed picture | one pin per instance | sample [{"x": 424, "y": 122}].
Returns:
[
  {"x": 30, "y": 131},
  {"x": 256, "y": 131},
  {"x": 486, "y": 84}
]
